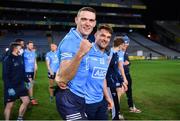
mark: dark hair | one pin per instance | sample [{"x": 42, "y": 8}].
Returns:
[
  {"x": 87, "y": 9},
  {"x": 29, "y": 42},
  {"x": 53, "y": 43},
  {"x": 13, "y": 45},
  {"x": 106, "y": 27},
  {"x": 118, "y": 41},
  {"x": 19, "y": 40}
]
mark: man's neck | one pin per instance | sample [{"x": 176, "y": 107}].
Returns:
[
  {"x": 83, "y": 36},
  {"x": 116, "y": 49}
]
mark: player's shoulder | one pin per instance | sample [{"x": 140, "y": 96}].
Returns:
[{"x": 6, "y": 58}]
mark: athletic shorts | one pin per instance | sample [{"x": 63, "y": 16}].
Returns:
[
  {"x": 29, "y": 74},
  {"x": 97, "y": 111},
  {"x": 114, "y": 81},
  {"x": 20, "y": 91},
  {"x": 51, "y": 76},
  {"x": 70, "y": 106}
]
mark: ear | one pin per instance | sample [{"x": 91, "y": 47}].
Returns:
[{"x": 76, "y": 19}]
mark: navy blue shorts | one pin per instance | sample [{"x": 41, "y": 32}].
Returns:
[
  {"x": 29, "y": 74},
  {"x": 114, "y": 81},
  {"x": 97, "y": 111},
  {"x": 70, "y": 106},
  {"x": 51, "y": 76},
  {"x": 21, "y": 91}
]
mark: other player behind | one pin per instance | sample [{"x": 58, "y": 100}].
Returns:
[
  {"x": 52, "y": 63},
  {"x": 73, "y": 71},
  {"x": 21, "y": 42},
  {"x": 96, "y": 87},
  {"x": 14, "y": 82},
  {"x": 132, "y": 107},
  {"x": 116, "y": 79},
  {"x": 30, "y": 66}
]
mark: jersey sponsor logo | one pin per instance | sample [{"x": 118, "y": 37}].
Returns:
[{"x": 99, "y": 73}]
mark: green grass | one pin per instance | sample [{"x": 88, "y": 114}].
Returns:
[{"x": 156, "y": 91}]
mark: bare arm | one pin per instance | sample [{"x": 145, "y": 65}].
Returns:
[
  {"x": 48, "y": 67},
  {"x": 120, "y": 66},
  {"x": 68, "y": 68},
  {"x": 125, "y": 83},
  {"x": 106, "y": 95}
]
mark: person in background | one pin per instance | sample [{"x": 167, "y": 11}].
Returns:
[
  {"x": 132, "y": 107},
  {"x": 14, "y": 82},
  {"x": 115, "y": 76},
  {"x": 52, "y": 63},
  {"x": 30, "y": 65},
  {"x": 21, "y": 42}
]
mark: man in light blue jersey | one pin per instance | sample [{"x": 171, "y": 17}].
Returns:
[
  {"x": 30, "y": 67},
  {"x": 96, "y": 88},
  {"x": 52, "y": 63},
  {"x": 72, "y": 75}
]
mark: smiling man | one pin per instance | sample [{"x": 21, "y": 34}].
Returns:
[
  {"x": 72, "y": 75},
  {"x": 96, "y": 88}
]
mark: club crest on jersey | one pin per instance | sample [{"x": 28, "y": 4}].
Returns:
[{"x": 99, "y": 73}]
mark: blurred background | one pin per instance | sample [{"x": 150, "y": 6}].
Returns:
[{"x": 152, "y": 25}]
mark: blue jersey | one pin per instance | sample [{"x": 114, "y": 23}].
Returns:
[
  {"x": 53, "y": 59},
  {"x": 66, "y": 51},
  {"x": 98, "y": 65},
  {"x": 29, "y": 60}
]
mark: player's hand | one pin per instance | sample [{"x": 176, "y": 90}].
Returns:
[
  {"x": 62, "y": 85},
  {"x": 110, "y": 104},
  {"x": 85, "y": 46},
  {"x": 11, "y": 92},
  {"x": 126, "y": 63},
  {"x": 125, "y": 81},
  {"x": 124, "y": 87},
  {"x": 59, "y": 83}
]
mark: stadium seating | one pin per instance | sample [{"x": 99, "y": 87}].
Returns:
[{"x": 153, "y": 46}]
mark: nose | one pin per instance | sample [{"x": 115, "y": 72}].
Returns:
[{"x": 87, "y": 22}]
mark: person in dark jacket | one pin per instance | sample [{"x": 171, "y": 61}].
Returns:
[
  {"x": 14, "y": 82},
  {"x": 127, "y": 63}
]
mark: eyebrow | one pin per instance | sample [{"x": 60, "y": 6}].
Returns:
[{"x": 87, "y": 19}]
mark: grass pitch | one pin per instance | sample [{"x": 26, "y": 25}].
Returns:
[{"x": 156, "y": 91}]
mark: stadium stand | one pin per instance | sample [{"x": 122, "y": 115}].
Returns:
[
  {"x": 170, "y": 30},
  {"x": 153, "y": 46}
]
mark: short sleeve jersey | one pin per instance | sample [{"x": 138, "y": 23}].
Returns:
[
  {"x": 98, "y": 65},
  {"x": 29, "y": 60},
  {"x": 53, "y": 59},
  {"x": 67, "y": 49}
]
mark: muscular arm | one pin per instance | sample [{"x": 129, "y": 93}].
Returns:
[{"x": 68, "y": 68}]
